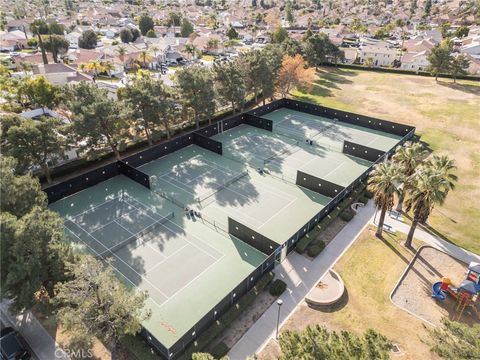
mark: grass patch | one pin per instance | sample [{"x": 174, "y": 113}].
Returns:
[
  {"x": 208, "y": 57},
  {"x": 446, "y": 117}
]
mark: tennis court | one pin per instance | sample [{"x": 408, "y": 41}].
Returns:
[
  {"x": 327, "y": 132},
  {"x": 186, "y": 267},
  {"x": 192, "y": 175}
]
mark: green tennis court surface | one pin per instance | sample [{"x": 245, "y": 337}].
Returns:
[
  {"x": 185, "y": 266},
  {"x": 327, "y": 132}
]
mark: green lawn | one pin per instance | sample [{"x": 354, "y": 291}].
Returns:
[{"x": 446, "y": 116}]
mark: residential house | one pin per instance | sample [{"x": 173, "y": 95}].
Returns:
[
  {"x": 415, "y": 61},
  {"x": 351, "y": 55},
  {"x": 61, "y": 74},
  {"x": 20, "y": 25},
  {"x": 381, "y": 56},
  {"x": 13, "y": 40}
]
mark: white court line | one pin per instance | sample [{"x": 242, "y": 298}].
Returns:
[
  {"x": 108, "y": 223},
  {"x": 181, "y": 236},
  {"x": 336, "y": 168},
  {"x": 123, "y": 275},
  {"x": 374, "y": 139},
  {"x": 276, "y": 214},
  {"x": 166, "y": 258},
  {"x": 94, "y": 207}
]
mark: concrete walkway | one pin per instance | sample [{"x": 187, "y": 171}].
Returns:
[
  {"x": 301, "y": 275},
  {"x": 42, "y": 344},
  {"x": 432, "y": 240}
]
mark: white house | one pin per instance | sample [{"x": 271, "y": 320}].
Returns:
[
  {"x": 60, "y": 74},
  {"x": 414, "y": 61},
  {"x": 381, "y": 56}
]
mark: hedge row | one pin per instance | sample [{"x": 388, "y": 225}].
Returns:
[{"x": 323, "y": 224}]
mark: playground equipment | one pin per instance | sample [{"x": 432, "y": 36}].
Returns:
[{"x": 465, "y": 293}]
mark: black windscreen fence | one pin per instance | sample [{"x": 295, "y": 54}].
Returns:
[
  {"x": 81, "y": 182},
  {"x": 362, "y": 151},
  {"x": 258, "y": 122},
  {"x": 209, "y": 130},
  {"x": 351, "y": 118},
  {"x": 230, "y": 123},
  {"x": 265, "y": 109},
  {"x": 318, "y": 185},
  {"x": 251, "y": 237},
  {"x": 207, "y": 143},
  {"x": 134, "y": 174}
]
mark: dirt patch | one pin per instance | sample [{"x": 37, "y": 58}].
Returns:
[
  {"x": 415, "y": 290},
  {"x": 245, "y": 321},
  {"x": 331, "y": 231}
]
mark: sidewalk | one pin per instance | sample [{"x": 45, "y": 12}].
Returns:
[
  {"x": 301, "y": 275},
  {"x": 433, "y": 240},
  {"x": 40, "y": 341}
]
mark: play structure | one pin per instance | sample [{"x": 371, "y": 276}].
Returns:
[{"x": 467, "y": 293}]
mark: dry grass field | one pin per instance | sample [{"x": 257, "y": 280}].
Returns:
[{"x": 447, "y": 117}]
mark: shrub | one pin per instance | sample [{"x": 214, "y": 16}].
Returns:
[
  {"x": 303, "y": 243},
  {"x": 363, "y": 199},
  {"x": 315, "y": 249},
  {"x": 277, "y": 287},
  {"x": 219, "y": 350},
  {"x": 347, "y": 214},
  {"x": 368, "y": 194}
]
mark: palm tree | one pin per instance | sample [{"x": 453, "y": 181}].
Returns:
[
  {"x": 430, "y": 186},
  {"x": 108, "y": 67},
  {"x": 409, "y": 157},
  {"x": 121, "y": 54},
  {"x": 95, "y": 66},
  {"x": 144, "y": 57},
  {"x": 36, "y": 29},
  {"x": 383, "y": 182},
  {"x": 213, "y": 44},
  {"x": 191, "y": 50}
]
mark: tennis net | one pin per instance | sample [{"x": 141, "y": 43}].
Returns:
[
  {"x": 221, "y": 187},
  {"x": 136, "y": 236},
  {"x": 311, "y": 133},
  {"x": 289, "y": 150}
]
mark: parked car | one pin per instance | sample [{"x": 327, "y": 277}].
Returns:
[{"x": 12, "y": 345}]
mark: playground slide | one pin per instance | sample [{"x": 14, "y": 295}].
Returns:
[{"x": 436, "y": 292}]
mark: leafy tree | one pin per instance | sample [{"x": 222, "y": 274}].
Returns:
[
  {"x": 151, "y": 102},
  {"x": 279, "y": 35},
  {"x": 196, "y": 88},
  {"x": 19, "y": 193},
  {"x": 462, "y": 31},
  {"x": 56, "y": 28},
  {"x": 135, "y": 34},
  {"x": 126, "y": 35},
  {"x": 316, "y": 49},
  {"x": 35, "y": 142},
  {"x": 316, "y": 342},
  {"x": 39, "y": 27},
  {"x": 409, "y": 156},
  {"x": 289, "y": 12},
  {"x": 95, "y": 303},
  {"x": 293, "y": 74},
  {"x": 41, "y": 92},
  {"x": 430, "y": 186},
  {"x": 151, "y": 34},
  {"x": 369, "y": 62},
  {"x": 358, "y": 26},
  {"x": 57, "y": 45},
  {"x": 232, "y": 33},
  {"x": 428, "y": 7},
  {"x": 307, "y": 35},
  {"x": 186, "y": 28},
  {"x": 383, "y": 183},
  {"x": 260, "y": 74},
  {"x": 88, "y": 40},
  {"x": 457, "y": 341},
  {"x": 440, "y": 58},
  {"x": 191, "y": 50},
  {"x": 213, "y": 45},
  {"x": 174, "y": 19},
  {"x": 291, "y": 47},
  {"x": 145, "y": 23},
  {"x": 230, "y": 83},
  {"x": 459, "y": 66},
  {"x": 96, "y": 117}
]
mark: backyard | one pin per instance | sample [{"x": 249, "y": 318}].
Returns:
[{"x": 446, "y": 117}]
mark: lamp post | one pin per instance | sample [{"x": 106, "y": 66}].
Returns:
[{"x": 279, "y": 303}]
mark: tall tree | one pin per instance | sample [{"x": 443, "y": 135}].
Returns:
[
  {"x": 319, "y": 48},
  {"x": 459, "y": 66},
  {"x": 41, "y": 92},
  {"x": 186, "y": 28},
  {"x": 19, "y": 193},
  {"x": 126, "y": 35},
  {"x": 151, "y": 102},
  {"x": 260, "y": 74},
  {"x": 57, "y": 45},
  {"x": 196, "y": 89},
  {"x": 56, "y": 28},
  {"x": 230, "y": 84},
  {"x": 293, "y": 74},
  {"x": 96, "y": 117},
  {"x": 440, "y": 58},
  {"x": 95, "y": 303},
  {"x": 34, "y": 142},
  {"x": 428, "y": 7},
  {"x": 383, "y": 183},
  {"x": 430, "y": 186},
  {"x": 289, "y": 12},
  {"x": 409, "y": 157},
  {"x": 279, "y": 35},
  {"x": 39, "y": 28},
  {"x": 232, "y": 33},
  {"x": 316, "y": 342},
  {"x": 88, "y": 40},
  {"x": 145, "y": 23},
  {"x": 174, "y": 19}
]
